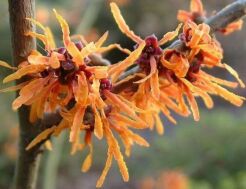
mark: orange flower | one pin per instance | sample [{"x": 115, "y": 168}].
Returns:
[
  {"x": 147, "y": 56},
  {"x": 67, "y": 80},
  {"x": 164, "y": 71},
  {"x": 53, "y": 77},
  {"x": 198, "y": 14},
  {"x": 173, "y": 180},
  {"x": 185, "y": 68},
  {"x": 196, "y": 10},
  {"x": 234, "y": 26},
  {"x": 99, "y": 112}
]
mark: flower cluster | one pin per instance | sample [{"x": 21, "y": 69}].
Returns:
[{"x": 77, "y": 83}]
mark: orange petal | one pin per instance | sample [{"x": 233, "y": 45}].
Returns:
[
  {"x": 206, "y": 98},
  {"x": 234, "y": 73},
  {"x": 75, "y": 53},
  {"x": 98, "y": 131},
  {"x": 14, "y": 88},
  {"x": 205, "y": 76},
  {"x": 6, "y": 65},
  {"x": 78, "y": 119},
  {"x": 116, "y": 69},
  {"x": 65, "y": 28},
  {"x": 113, "y": 46},
  {"x": 153, "y": 69},
  {"x": 154, "y": 83},
  {"x": 42, "y": 136},
  {"x": 170, "y": 35},
  {"x": 41, "y": 37},
  {"x": 88, "y": 160},
  {"x": 234, "y": 26},
  {"x": 102, "y": 39},
  {"x": 159, "y": 125},
  {"x": 99, "y": 72},
  {"x": 30, "y": 69},
  {"x": 196, "y": 6},
  {"x": 122, "y": 24},
  {"x": 107, "y": 166},
  {"x": 184, "y": 16},
  {"x": 227, "y": 95},
  {"x": 81, "y": 90},
  {"x": 193, "y": 105},
  {"x": 54, "y": 61},
  {"x": 88, "y": 49}
]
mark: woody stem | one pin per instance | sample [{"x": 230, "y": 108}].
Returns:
[{"x": 28, "y": 161}]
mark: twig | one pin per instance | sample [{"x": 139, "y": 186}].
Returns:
[{"x": 227, "y": 15}]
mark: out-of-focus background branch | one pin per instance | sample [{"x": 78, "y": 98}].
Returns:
[{"x": 210, "y": 153}]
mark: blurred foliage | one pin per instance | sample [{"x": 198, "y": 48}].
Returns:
[{"x": 212, "y": 152}]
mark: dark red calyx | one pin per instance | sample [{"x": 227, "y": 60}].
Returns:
[
  {"x": 66, "y": 72},
  {"x": 105, "y": 84},
  {"x": 169, "y": 54},
  {"x": 194, "y": 68},
  {"x": 152, "y": 45},
  {"x": 44, "y": 73},
  {"x": 185, "y": 37},
  {"x": 67, "y": 66},
  {"x": 62, "y": 50},
  {"x": 108, "y": 110},
  {"x": 151, "y": 48},
  {"x": 79, "y": 45},
  {"x": 87, "y": 73}
]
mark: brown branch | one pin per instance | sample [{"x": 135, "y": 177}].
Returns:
[
  {"x": 28, "y": 161},
  {"x": 227, "y": 15}
]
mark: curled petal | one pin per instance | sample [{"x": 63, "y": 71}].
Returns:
[
  {"x": 106, "y": 169},
  {"x": 155, "y": 87},
  {"x": 122, "y": 24},
  {"x": 153, "y": 69},
  {"x": 78, "y": 118},
  {"x": 193, "y": 104},
  {"x": 65, "y": 28},
  {"x": 204, "y": 76},
  {"x": 99, "y": 72},
  {"x": 88, "y": 160},
  {"x": 234, "y": 26},
  {"x": 30, "y": 69},
  {"x": 159, "y": 125},
  {"x": 196, "y": 6},
  {"x": 234, "y": 73},
  {"x": 170, "y": 35},
  {"x": 88, "y": 49},
  {"x": 184, "y": 16},
  {"x": 54, "y": 61},
  {"x": 116, "y": 69},
  {"x": 206, "y": 98},
  {"x": 41, "y": 137},
  {"x": 6, "y": 65},
  {"x": 113, "y": 46},
  {"x": 232, "y": 98},
  {"x": 76, "y": 54},
  {"x": 102, "y": 39}
]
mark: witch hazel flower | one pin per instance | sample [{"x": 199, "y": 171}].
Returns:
[
  {"x": 197, "y": 14},
  {"x": 68, "y": 80}
]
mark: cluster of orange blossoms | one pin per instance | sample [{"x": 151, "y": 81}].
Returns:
[{"x": 72, "y": 81}]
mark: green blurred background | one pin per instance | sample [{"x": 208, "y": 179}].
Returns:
[{"x": 210, "y": 154}]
